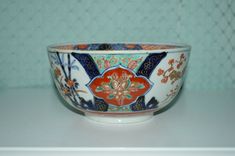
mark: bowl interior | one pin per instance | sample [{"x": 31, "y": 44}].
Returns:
[{"x": 116, "y": 46}]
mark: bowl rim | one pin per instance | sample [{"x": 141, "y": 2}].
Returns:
[{"x": 181, "y": 47}]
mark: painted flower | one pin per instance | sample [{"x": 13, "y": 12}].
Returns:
[
  {"x": 106, "y": 64},
  {"x": 57, "y": 72},
  {"x": 119, "y": 86},
  {"x": 171, "y": 61},
  {"x": 160, "y": 72},
  {"x": 82, "y": 46},
  {"x": 179, "y": 65},
  {"x": 71, "y": 83},
  {"x": 174, "y": 71},
  {"x": 66, "y": 91},
  {"x": 149, "y": 47},
  {"x": 165, "y": 79},
  {"x": 132, "y": 64}
]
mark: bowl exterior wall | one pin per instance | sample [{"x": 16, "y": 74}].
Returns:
[{"x": 118, "y": 83}]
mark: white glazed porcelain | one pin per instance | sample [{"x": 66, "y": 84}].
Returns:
[{"x": 118, "y": 83}]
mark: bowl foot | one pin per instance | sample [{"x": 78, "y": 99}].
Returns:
[{"x": 118, "y": 119}]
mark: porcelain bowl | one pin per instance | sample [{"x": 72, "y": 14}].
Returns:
[{"x": 118, "y": 82}]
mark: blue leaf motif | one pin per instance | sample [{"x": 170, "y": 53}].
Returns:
[
  {"x": 55, "y": 60},
  {"x": 75, "y": 67}
]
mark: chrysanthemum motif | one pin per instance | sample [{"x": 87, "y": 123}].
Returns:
[{"x": 119, "y": 86}]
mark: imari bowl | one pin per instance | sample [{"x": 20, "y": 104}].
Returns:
[{"x": 118, "y": 82}]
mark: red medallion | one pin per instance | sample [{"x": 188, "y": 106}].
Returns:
[{"x": 119, "y": 86}]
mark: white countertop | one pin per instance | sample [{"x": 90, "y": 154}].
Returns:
[{"x": 34, "y": 119}]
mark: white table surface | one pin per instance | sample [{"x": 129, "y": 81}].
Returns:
[{"x": 36, "y": 120}]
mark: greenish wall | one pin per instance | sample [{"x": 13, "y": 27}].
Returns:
[{"x": 28, "y": 26}]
